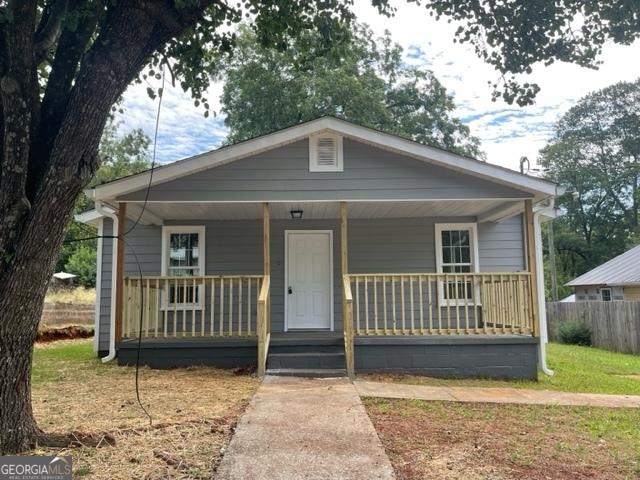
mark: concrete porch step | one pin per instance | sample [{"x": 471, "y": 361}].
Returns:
[
  {"x": 308, "y": 372},
  {"x": 306, "y": 360}
]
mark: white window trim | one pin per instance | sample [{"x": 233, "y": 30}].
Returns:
[
  {"x": 475, "y": 258},
  {"x": 610, "y": 290},
  {"x": 168, "y": 230},
  {"x": 313, "y": 150}
]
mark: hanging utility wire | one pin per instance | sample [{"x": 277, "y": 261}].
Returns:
[{"x": 122, "y": 237}]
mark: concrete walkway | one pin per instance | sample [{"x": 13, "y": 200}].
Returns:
[
  {"x": 494, "y": 395},
  {"x": 298, "y": 428}
]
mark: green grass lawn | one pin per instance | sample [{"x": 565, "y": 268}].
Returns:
[
  {"x": 577, "y": 369},
  {"x": 55, "y": 362}
]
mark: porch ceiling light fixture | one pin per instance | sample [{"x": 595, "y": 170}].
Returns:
[{"x": 296, "y": 214}]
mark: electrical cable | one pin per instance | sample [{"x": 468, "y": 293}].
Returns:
[{"x": 121, "y": 237}]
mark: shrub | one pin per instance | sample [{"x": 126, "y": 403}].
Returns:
[{"x": 575, "y": 333}]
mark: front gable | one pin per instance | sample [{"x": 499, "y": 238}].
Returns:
[{"x": 286, "y": 174}]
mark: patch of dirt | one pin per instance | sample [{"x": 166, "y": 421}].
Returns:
[
  {"x": 72, "y": 332},
  {"x": 434, "y": 440},
  {"x": 194, "y": 413}
]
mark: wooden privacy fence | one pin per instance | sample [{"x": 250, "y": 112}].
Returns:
[
  {"x": 441, "y": 304},
  {"x": 614, "y": 325},
  {"x": 205, "y": 306}
]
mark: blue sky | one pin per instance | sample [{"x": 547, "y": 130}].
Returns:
[{"x": 507, "y": 132}]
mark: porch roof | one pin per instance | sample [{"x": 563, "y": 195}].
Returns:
[{"x": 486, "y": 210}]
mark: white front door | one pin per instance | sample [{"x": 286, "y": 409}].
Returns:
[{"x": 308, "y": 288}]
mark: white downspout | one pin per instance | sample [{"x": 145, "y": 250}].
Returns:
[
  {"x": 544, "y": 338},
  {"x": 114, "y": 276},
  {"x": 96, "y": 322}
]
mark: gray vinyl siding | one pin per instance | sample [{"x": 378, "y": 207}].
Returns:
[
  {"x": 501, "y": 246},
  {"x": 392, "y": 245},
  {"x": 105, "y": 287},
  {"x": 369, "y": 173}
]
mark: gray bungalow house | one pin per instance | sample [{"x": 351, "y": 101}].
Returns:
[{"x": 326, "y": 248}]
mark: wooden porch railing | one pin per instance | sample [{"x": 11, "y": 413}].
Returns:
[
  {"x": 441, "y": 304},
  {"x": 347, "y": 315},
  {"x": 204, "y": 306},
  {"x": 263, "y": 325}
]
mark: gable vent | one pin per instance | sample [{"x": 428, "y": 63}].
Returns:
[{"x": 325, "y": 153}]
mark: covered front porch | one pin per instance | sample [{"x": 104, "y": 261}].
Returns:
[{"x": 392, "y": 279}]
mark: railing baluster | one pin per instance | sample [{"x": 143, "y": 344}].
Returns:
[
  {"x": 420, "y": 277},
  {"x": 430, "y": 304},
  {"x": 384, "y": 303},
  {"x": 393, "y": 302},
  {"x": 465, "y": 291},
  {"x": 212, "y": 314},
  {"x": 146, "y": 307},
  {"x": 366, "y": 306},
  {"x": 230, "y": 306},
  {"x": 375, "y": 303},
  {"x": 249, "y": 281},
  {"x": 358, "y": 305},
  {"x": 404, "y": 326},
  {"x": 240, "y": 306},
  {"x": 156, "y": 298},
  {"x": 193, "y": 307},
  {"x": 413, "y": 326},
  {"x": 221, "y": 306}
]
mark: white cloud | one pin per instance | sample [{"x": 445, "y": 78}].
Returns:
[{"x": 507, "y": 132}]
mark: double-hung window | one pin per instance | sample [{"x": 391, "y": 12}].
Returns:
[
  {"x": 605, "y": 294},
  {"x": 183, "y": 257},
  {"x": 456, "y": 253}
]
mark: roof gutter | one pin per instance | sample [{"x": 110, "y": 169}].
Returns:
[{"x": 114, "y": 275}]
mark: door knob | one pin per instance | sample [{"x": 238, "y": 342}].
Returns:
[{"x": 289, "y": 290}]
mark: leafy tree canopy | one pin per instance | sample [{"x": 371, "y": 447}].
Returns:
[
  {"x": 358, "y": 77},
  {"x": 513, "y": 36},
  {"x": 595, "y": 154}
]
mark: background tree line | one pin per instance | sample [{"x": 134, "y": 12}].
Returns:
[{"x": 595, "y": 155}]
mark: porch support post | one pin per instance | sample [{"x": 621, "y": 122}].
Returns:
[
  {"x": 266, "y": 240},
  {"x": 266, "y": 253},
  {"x": 531, "y": 262},
  {"x": 344, "y": 256},
  {"x": 122, "y": 226}
]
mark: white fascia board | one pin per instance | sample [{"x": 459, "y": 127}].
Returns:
[
  {"x": 90, "y": 217},
  {"x": 540, "y": 188},
  {"x": 207, "y": 160},
  {"x": 447, "y": 159}
]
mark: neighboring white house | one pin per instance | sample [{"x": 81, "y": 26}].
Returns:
[{"x": 617, "y": 279}]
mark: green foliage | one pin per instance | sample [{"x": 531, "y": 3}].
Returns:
[
  {"x": 595, "y": 156},
  {"x": 358, "y": 77},
  {"x": 121, "y": 155},
  {"x": 514, "y": 35},
  {"x": 82, "y": 262},
  {"x": 575, "y": 333}
]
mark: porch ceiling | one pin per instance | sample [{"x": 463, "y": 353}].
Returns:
[{"x": 157, "y": 212}]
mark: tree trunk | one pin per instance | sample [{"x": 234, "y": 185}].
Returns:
[
  {"x": 22, "y": 289},
  {"x": 36, "y": 208}
]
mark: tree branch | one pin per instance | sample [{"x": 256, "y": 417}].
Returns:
[
  {"x": 71, "y": 47},
  {"x": 19, "y": 92},
  {"x": 49, "y": 28}
]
